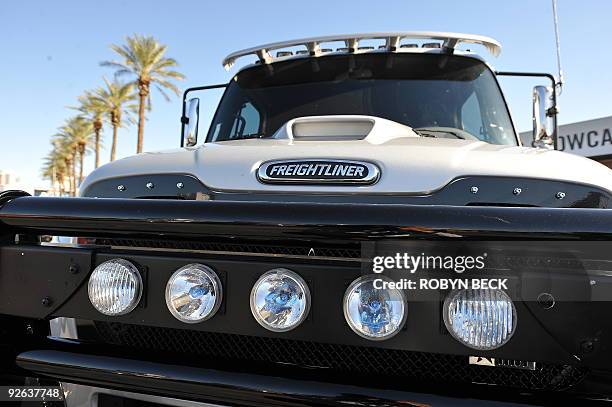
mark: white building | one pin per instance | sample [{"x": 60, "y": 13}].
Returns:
[
  {"x": 589, "y": 138},
  {"x": 9, "y": 180}
]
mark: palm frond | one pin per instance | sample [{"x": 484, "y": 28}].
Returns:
[
  {"x": 113, "y": 64},
  {"x": 164, "y": 94},
  {"x": 145, "y": 58},
  {"x": 165, "y": 63},
  {"x": 169, "y": 74},
  {"x": 168, "y": 85}
]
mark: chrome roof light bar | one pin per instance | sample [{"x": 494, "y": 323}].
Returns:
[{"x": 351, "y": 41}]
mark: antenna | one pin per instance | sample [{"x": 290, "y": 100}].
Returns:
[{"x": 556, "y": 21}]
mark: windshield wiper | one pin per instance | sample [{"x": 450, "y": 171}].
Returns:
[
  {"x": 248, "y": 136},
  {"x": 444, "y": 132}
]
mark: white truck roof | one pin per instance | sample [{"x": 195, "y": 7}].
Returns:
[{"x": 393, "y": 43}]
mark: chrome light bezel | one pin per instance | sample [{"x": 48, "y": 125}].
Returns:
[
  {"x": 217, "y": 287},
  {"x": 447, "y": 323},
  {"x": 349, "y": 321},
  {"x": 299, "y": 281},
  {"x": 133, "y": 271}
]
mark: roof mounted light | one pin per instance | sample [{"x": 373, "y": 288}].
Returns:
[{"x": 449, "y": 41}]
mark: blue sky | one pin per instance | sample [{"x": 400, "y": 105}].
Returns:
[{"x": 52, "y": 49}]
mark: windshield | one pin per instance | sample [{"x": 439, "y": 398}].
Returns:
[{"x": 438, "y": 95}]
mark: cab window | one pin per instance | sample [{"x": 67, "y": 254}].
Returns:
[
  {"x": 244, "y": 122},
  {"x": 471, "y": 118}
]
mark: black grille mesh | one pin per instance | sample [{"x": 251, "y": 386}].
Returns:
[
  {"x": 341, "y": 358},
  {"x": 353, "y": 251}
]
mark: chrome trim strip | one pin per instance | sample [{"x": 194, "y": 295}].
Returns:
[
  {"x": 63, "y": 327},
  {"x": 371, "y": 178}
]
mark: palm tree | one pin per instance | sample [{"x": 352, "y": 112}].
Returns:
[
  {"x": 54, "y": 168},
  {"x": 64, "y": 148},
  {"x": 93, "y": 110},
  {"x": 78, "y": 132},
  {"x": 71, "y": 144},
  {"x": 114, "y": 99},
  {"x": 144, "y": 58}
]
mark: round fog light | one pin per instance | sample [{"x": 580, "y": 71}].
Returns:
[
  {"x": 193, "y": 293},
  {"x": 374, "y": 313},
  {"x": 280, "y": 300},
  {"x": 480, "y": 319},
  {"x": 115, "y": 287}
]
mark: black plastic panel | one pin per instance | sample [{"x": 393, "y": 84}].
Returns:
[
  {"x": 325, "y": 323},
  {"x": 491, "y": 191},
  {"x": 35, "y": 281},
  {"x": 151, "y": 186}
]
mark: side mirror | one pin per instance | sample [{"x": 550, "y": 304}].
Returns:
[
  {"x": 542, "y": 137},
  {"x": 190, "y": 128}
]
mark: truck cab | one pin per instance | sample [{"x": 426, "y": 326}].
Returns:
[{"x": 428, "y": 119}]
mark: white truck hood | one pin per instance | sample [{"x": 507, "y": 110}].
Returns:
[{"x": 408, "y": 164}]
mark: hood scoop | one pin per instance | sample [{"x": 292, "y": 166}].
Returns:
[
  {"x": 317, "y": 129},
  {"x": 342, "y": 128}
]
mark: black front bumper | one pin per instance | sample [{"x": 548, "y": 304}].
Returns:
[
  {"x": 243, "y": 386},
  {"x": 294, "y": 221},
  {"x": 33, "y": 294}
]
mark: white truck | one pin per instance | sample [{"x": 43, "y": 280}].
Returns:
[
  {"x": 430, "y": 111},
  {"x": 237, "y": 269}
]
